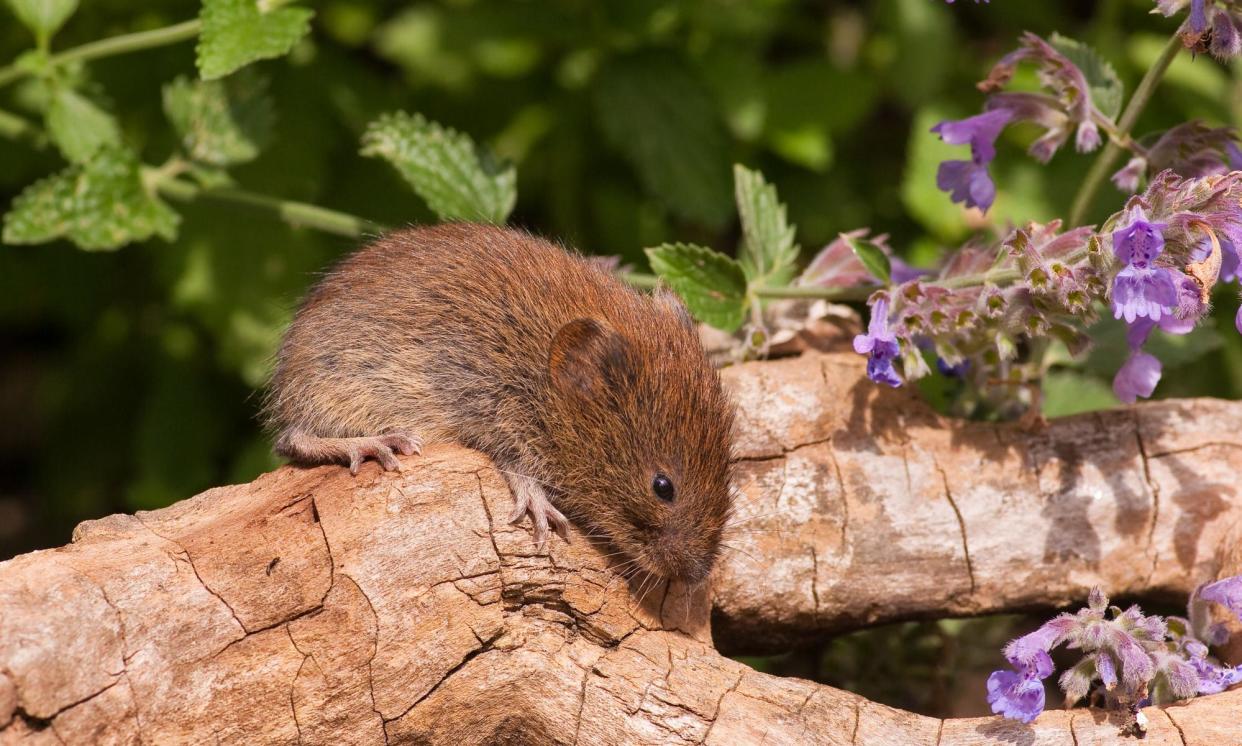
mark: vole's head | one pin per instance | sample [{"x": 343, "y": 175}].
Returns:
[{"x": 643, "y": 436}]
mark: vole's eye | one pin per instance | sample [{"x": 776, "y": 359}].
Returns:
[{"x": 662, "y": 486}]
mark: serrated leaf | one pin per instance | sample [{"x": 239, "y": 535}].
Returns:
[
  {"x": 662, "y": 118},
  {"x": 1107, "y": 89},
  {"x": 221, "y": 122},
  {"x": 43, "y": 17},
  {"x": 768, "y": 249},
  {"x": 78, "y": 126},
  {"x": 871, "y": 256},
  {"x": 238, "y": 32},
  {"x": 712, "y": 284},
  {"x": 445, "y": 167},
  {"x": 102, "y": 204}
]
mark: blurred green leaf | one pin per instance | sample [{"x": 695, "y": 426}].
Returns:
[
  {"x": 768, "y": 249},
  {"x": 926, "y": 43},
  {"x": 919, "y": 193},
  {"x": 1107, "y": 92},
  {"x": 654, "y": 110},
  {"x": 712, "y": 285},
  {"x": 872, "y": 257},
  {"x": 221, "y": 122},
  {"x": 1110, "y": 349},
  {"x": 1067, "y": 392},
  {"x": 43, "y": 17},
  {"x": 102, "y": 204},
  {"x": 456, "y": 179},
  {"x": 78, "y": 126},
  {"x": 238, "y": 32}
]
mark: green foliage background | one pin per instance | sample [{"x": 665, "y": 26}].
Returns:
[{"x": 130, "y": 379}]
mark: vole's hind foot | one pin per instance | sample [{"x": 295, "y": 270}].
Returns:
[
  {"x": 530, "y": 497},
  {"x": 301, "y": 446}
]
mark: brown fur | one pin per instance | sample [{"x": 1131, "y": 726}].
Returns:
[{"x": 462, "y": 333}]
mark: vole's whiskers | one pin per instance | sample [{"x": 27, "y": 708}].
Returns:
[{"x": 742, "y": 552}]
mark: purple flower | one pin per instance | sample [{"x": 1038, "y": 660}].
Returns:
[
  {"x": 1107, "y": 670},
  {"x": 1127, "y": 179},
  {"x": 1237, "y": 320},
  {"x": 968, "y": 182},
  {"x": 1088, "y": 137},
  {"x": 1227, "y": 593},
  {"x": 1137, "y": 377},
  {"x": 880, "y": 345},
  {"x": 1141, "y": 290},
  {"x": 1197, "y": 20},
  {"x": 1214, "y": 679},
  {"x": 1017, "y": 696}
]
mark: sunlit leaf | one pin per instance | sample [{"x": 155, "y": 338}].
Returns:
[
  {"x": 455, "y": 177},
  {"x": 238, "y": 32},
  {"x": 712, "y": 284},
  {"x": 101, "y": 204},
  {"x": 871, "y": 256},
  {"x": 768, "y": 249}
]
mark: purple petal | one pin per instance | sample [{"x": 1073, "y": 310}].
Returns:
[
  {"x": 1139, "y": 242},
  {"x": 1137, "y": 378},
  {"x": 863, "y": 344},
  {"x": 1227, "y": 593},
  {"x": 1237, "y": 320},
  {"x": 1225, "y": 40},
  {"x": 1106, "y": 669},
  {"x": 1127, "y": 179},
  {"x": 1030, "y": 652},
  {"x": 1214, "y": 679},
  {"x": 1014, "y": 696},
  {"x": 980, "y": 131},
  {"x": 1088, "y": 137},
  {"x": 1143, "y": 292},
  {"x": 967, "y": 182},
  {"x": 1137, "y": 667},
  {"x": 1197, "y": 20}
]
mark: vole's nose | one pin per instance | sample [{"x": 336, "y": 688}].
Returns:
[{"x": 676, "y": 559}]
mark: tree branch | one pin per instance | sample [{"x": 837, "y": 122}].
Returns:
[{"x": 313, "y": 606}]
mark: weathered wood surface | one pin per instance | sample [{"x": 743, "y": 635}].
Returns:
[{"x": 312, "y": 606}]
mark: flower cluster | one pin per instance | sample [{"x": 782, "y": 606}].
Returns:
[
  {"x": 1131, "y": 658},
  {"x": 1065, "y": 107},
  {"x": 1154, "y": 264},
  {"x": 1210, "y": 26}
]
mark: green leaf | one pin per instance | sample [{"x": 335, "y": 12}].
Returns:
[
  {"x": 1110, "y": 348},
  {"x": 79, "y": 127},
  {"x": 662, "y": 118},
  {"x": 712, "y": 284},
  {"x": 445, "y": 167},
  {"x": 220, "y": 122},
  {"x": 102, "y": 204},
  {"x": 1066, "y": 392},
  {"x": 1107, "y": 90},
  {"x": 43, "y": 17},
  {"x": 238, "y": 32},
  {"x": 872, "y": 257},
  {"x": 768, "y": 249},
  {"x": 924, "y": 201}
]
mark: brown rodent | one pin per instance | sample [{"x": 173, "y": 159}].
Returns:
[{"x": 590, "y": 396}]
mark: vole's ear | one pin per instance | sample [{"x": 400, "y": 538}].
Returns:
[
  {"x": 672, "y": 301},
  {"x": 587, "y": 358}
]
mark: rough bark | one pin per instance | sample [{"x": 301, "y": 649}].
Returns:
[{"x": 312, "y": 606}]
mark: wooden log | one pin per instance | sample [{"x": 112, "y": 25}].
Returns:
[{"x": 311, "y": 606}]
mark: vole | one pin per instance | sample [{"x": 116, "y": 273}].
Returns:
[{"x": 595, "y": 400}]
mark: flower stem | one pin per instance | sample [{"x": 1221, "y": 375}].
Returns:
[
  {"x": 115, "y": 45},
  {"x": 1108, "y": 157},
  {"x": 292, "y": 212},
  {"x": 642, "y": 280}
]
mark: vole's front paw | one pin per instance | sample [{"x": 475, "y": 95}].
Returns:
[
  {"x": 383, "y": 448},
  {"x": 530, "y": 497}
]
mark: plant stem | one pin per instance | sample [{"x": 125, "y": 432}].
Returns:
[
  {"x": 293, "y": 213},
  {"x": 641, "y": 280},
  {"x": 1108, "y": 157},
  {"x": 122, "y": 44}
]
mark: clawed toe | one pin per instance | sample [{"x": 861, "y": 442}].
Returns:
[
  {"x": 402, "y": 441},
  {"x": 529, "y": 497}
]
